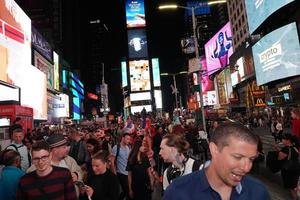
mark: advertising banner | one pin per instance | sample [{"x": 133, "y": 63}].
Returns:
[
  {"x": 41, "y": 44},
  {"x": 61, "y": 106},
  {"x": 135, "y": 13},
  {"x": 9, "y": 93},
  {"x": 277, "y": 55},
  {"x": 137, "y": 43},
  {"x": 259, "y": 10},
  {"x": 46, "y": 67},
  {"x": 124, "y": 73},
  {"x": 156, "y": 72},
  {"x": 219, "y": 49},
  {"x": 139, "y": 75},
  {"x": 56, "y": 70}
]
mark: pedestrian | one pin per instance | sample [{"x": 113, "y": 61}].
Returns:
[
  {"x": 295, "y": 114},
  {"x": 233, "y": 148},
  {"x": 10, "y": 174},
  {"x": 119, "y": 159},
  {"x": 46, "y": 181},
  {"x": 140, "y": 180},
  {"x": 173, "y": 149},
  {"x": 78, "y": 149}
]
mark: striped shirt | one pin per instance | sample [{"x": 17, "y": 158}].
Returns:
[{"x": 57, "y": 185}]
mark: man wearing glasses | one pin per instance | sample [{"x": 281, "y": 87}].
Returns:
[{"x": 47, "y": 181}]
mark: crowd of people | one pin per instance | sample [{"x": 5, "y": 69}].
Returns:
[{"x": 132, "y": 157}]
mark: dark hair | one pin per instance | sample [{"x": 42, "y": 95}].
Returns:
[
  {"x": 132, "y": 158},
  {"x": 223, "y": 132},
  {"x": 177, "y": 141},
  {"x": 40, "y": 145},
  {"x": 101, "y": 155},
  {"x": 8, "y": 157},
  {"x": 95, "y": 143},
  {"x": 17, "y": 130}
]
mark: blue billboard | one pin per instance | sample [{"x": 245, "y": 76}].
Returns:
[
  {"x": 124, "y": 73},
  {"x": 277, "y": 55},
  {"x": 201, "y": 8},
  {"x": 135, "y": 13},
  {"x": 259, "y": 10}
]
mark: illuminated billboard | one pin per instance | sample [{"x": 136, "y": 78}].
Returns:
[
  {"x": 139, "y": 75},
  {"x": 15, "y": 41},
  {"x": 140, "y": 96},
  {"x": 76, "y": 108},
  {"x": 156, "y": 72},
  {"x": 219, "y": 49},
  {"x": 46, "y": 67},
  {"x": 158, "y": 98},
  {"x": 259, "y": 10},
  {"x": 40, "y": 44},
  {"x": 238, "y": 73},
  {"x": 61, "y": 106},
  {"x": 135, "y": 13},
  {"x": 277, "y": 55},
  {"x": 138, "y": 109},
  {"x": 56, "y": 70},
  {"x": 9, "y": 93},
  {"x": 124, "y": 73},
  {"x": 137, "y": 43}
]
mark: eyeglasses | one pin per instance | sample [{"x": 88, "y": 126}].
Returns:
[{"x": 43, "y": 158}]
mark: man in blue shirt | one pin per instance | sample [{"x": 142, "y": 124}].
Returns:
[{"x": 233, "y": 148}]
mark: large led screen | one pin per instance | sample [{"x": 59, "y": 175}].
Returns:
[
  {"x": 219, "y": 49},
  {"x": 124, "y": 73},
  {"x": 46, "y": 67},
  {"x": 56, "y": 70},
  {"x": 277, "y": 55},
  {"x": 238, "y": 74},
  {"x": 259, "y": 10},
  {"x": 135, "y": 13},
  {"x": 8, "y": 93},
  {"x": 137, "y": 43},
  {"x": 139, "y": 75},
  {"x": 61, "y": 106},
  {"x": 158, "y": 98},
  {"x": 15, "y": 41},
  {"x": 156, "y": 72}
]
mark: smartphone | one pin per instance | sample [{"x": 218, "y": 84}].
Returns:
[{"x": 80, "y": 184}]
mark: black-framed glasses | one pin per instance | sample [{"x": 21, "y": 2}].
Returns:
[{"x": 43, "y": 158}]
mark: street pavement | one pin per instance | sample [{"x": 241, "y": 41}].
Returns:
[{"x": 272, "y": 181}]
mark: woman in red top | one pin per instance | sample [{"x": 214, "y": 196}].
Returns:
[{"x": 295, "y": 113}]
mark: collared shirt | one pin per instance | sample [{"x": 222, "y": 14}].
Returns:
[{"x": 195, "y": 186}]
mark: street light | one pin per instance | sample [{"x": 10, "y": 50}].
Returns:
[
  {"x": 194, "y": 20},
  {"x": 175, "y": 86}
]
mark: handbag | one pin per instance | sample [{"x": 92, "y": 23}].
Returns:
[{"x": 291, "y": 165}]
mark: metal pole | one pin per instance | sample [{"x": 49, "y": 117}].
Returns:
[
  {"x": 175, "y": 87},
  {"x": 194, "y": 20}
]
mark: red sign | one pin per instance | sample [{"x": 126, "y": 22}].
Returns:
[{"x": 92, "y": 96}]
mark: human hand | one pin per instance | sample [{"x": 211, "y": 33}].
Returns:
[
  {"x": 74, "y": 177},
  {"x": 89, "y": 191},
  {"x": 131, "y": 194}
]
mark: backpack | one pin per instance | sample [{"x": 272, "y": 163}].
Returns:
[{"x": 17, "y": 150}]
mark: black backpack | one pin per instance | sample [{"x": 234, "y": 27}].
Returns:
[{"x": 17, "y": 150}]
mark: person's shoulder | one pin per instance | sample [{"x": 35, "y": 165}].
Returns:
[
  {"x": 61, "y": 170},
  {"x": 255, "y": 185}
]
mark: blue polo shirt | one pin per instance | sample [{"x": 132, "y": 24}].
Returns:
[{"x": 195, "y": 186}]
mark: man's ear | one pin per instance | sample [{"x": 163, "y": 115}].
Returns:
[{"x": 213, "y": 149}]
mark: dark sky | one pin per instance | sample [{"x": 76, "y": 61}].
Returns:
[{"x": 164, "y": 30}]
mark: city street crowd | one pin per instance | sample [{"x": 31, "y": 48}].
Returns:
[{"x": 133, "y": 157}]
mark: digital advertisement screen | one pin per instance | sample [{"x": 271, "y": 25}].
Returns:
[
  {"x": 140, "y": 96},
  {"x": 137, "y": 43},
  {"x": 238, "y": 74},
  {"x": 46, "y": 67},
  {"x": 138, "y": 109},
  {"x": 156, "y": 72},
  {"x": 15, "y": 41},
  {"x": 139, "y": 75},
  {"x": 135, "y": 13},
  {"x": 40, "y": 44},
  {"x": 158, "y": 98},
  {"x": 259, "y": 10},
  {"x": 56, "y": 70},
  {"x": 219, "y": 49},
  {"x": 124, "y": 74},
  {"x": 277, "y": 55},
  {"x": 9, "y": 93},
  {"x": 34, "y": 91},
  {"x": 202, "y": 8},
  {"x": 76, "y": 108},
  {"x": 61, "y": 106}
]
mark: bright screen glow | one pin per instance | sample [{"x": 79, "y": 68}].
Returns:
[
  {"x": 158, "y": 98},
  {"x": 259, "y": 10},
  {"x": 239, "y": 74},
  {"x": 138, "y": 109},
  {"x": 124, "y": 73},
  {"x": 140, "y": 96},
  {"x": 61, "y": 106},
  {"x": 9, "y": 93},
  {"x": 219, "y": 49},
  {"x": 46, "y": 67},
  {"x": 139, "y": 75},
  {"x": 76, "y": 108},
  {"x": 156, "y": 72},
  {"x": 277, "y": 55},
  {"x": 56, "y": 70},
  {"x": 137, "y": 43},
  {"x": 135, "y": 13}
]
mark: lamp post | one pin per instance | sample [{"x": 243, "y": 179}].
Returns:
[
  {"x": 194, "y": 23},
  {"x": 175, "y": 85}
]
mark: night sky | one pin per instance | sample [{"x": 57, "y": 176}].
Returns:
[{"x": 164, "y": 31}]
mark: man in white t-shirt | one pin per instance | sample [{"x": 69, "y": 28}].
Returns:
[{"x": 173, "y": 149}]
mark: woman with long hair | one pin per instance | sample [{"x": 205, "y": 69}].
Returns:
[
  {"x": 93, "y": 146},
  {"x": 140, "y": 180}
]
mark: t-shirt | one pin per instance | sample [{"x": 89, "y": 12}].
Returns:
[
  {"x": 22, "y": 149},
  {"x": 56, "y": 185},
  {"x": 122, "y": 158},
  {"x": 195, "y": 186},
  {"x": 106, "y": 186}
]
